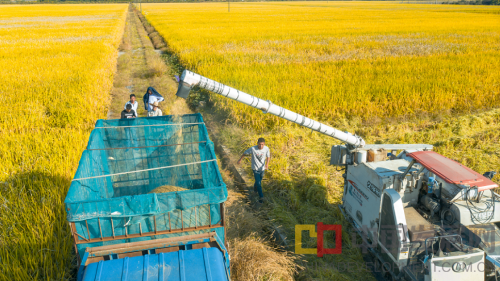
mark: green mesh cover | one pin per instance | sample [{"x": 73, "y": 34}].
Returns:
[{"x": 123, "y": 201}]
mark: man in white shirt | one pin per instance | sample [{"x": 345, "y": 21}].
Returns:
[
  {"x": 133, "y": 103},
  {"x": 260, "y": 163}
]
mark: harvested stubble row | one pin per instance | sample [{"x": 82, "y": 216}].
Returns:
[{"x": 57, "y": 66}]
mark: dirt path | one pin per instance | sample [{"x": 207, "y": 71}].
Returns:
[{"x": 140, "y": 66}]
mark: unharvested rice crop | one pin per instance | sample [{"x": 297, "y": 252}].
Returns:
[
  {"x": 390, "y": 72},
  {"x": 57, "y": 64},
  {"x": 340, "y": 59}
]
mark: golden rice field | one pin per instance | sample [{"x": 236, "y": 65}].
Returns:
[
  {"x": 391, "y": 72},
  {"x": 340, "y": 59},
  {"x": 57, "y": 64}
]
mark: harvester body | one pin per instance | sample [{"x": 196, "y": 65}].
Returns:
[
  {"x": 421, "y": 215},
  {"x": 411, "y": 213}
]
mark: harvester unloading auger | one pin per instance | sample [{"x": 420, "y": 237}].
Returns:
[{"x": 421, "y": 215}]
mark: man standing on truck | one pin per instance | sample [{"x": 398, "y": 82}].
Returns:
[
  {"x": 260, "y": 163},
  {"x": 134, "y": 104}
]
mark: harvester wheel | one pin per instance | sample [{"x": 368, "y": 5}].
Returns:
[
  {"x": 388, "y": 276},
  {"x": 384, "y": 272}
]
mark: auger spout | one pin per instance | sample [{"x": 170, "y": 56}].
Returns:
[{"x": 190, "y": 79}]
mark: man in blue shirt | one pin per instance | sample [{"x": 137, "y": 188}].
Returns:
[{"x": 260, "y": 163}]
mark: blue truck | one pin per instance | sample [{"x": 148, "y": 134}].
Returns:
[{"x": 147, "y": 202}]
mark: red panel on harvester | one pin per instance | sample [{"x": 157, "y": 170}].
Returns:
[{"x": 451, "y": 171}]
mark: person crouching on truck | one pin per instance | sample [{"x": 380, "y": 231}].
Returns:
[
  {"x": 156, "y": 111},
  {"x": 260, "y": 163},
  {"x": 128, "y": 112}
]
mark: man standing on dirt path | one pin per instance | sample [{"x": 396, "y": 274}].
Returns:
[
  {"x": 260, "y": 163},
  {"x": 133, "y": 103}
]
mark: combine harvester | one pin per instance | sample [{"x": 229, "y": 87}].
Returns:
[
  {"x": 421, "y": 215},
  {"x": 147, "y": 202}
]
